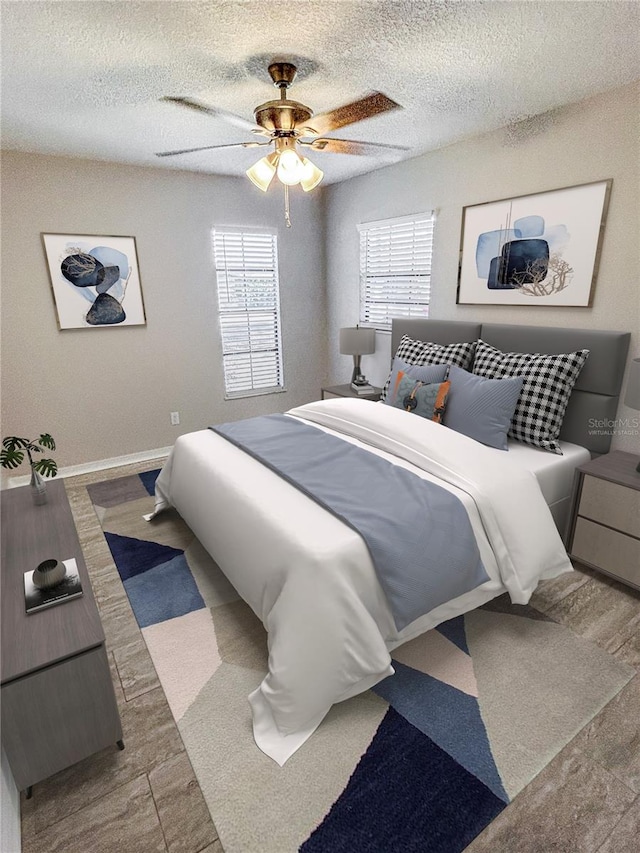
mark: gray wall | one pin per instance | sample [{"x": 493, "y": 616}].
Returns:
[
  {"x": 108, "y": 392},
  {"x": 589, "y": 141}
]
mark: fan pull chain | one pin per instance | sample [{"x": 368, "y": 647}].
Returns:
[{"x": 287, "y": 218}]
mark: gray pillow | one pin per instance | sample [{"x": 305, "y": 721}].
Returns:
[
  {"x": 482, "y": 408},
  {"x": 427, "y": 373}
]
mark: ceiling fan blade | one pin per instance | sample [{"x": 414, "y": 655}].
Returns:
[
  {"x": 216, "y": 112},
  {"x": 352, "y": 146},
  {"x": 209, "y": 147},
  {"x": 371, "y": 105}
]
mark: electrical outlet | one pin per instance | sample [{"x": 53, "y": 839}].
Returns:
[{"x": 175, "y": 418}]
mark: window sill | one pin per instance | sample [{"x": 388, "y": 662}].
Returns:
[{"x": 258, "y": 392}]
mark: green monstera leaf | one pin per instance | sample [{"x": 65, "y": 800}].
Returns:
[
  {"x": 47, "y": 441},
  {"x": 46, "y": 467},
  {"x": 13, "y": 442},
  {"x": 11, "y": 457}
]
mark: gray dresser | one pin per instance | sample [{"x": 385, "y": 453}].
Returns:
[{"x": 58, "y": 701}]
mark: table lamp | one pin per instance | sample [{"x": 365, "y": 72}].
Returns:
[
  {"x": 632, "y": 396},
  {"x": 357, "y": 342}
]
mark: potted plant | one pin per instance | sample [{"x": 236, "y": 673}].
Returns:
[{"x": 12, "y": 455}]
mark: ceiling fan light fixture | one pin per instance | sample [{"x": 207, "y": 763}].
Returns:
[
  {"x": 261, "y": 173},
  {"x": 290, "y": 167},
  {"x": 311, "y": 175},
  {"x": 285, "y": 123}
]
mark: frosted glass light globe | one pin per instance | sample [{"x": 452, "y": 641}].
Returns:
[{"x": 290, "y": 168}]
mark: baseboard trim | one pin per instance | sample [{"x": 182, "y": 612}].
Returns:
[{"x": 99, "y": 465}]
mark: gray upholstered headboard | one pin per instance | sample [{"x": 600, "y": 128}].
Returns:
[{"x": 595, "y": 396}]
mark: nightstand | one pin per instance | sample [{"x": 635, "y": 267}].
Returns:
[
  {"x": 604, "y": 526},
  {"x": 345, "y": 391}
]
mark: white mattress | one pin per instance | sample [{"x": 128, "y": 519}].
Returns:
[{"x": 554, "y": 473}]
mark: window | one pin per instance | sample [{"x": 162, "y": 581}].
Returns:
[
  {"x": 395, "y": 269},
  {"x": 249, "y": 310}
]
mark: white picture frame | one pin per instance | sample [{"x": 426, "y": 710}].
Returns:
[{"x": 537, "y": 249}]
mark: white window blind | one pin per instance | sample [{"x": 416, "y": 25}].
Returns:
[
  {"x": 249, "y": 310},
  {"x": 395, "y": 269}
]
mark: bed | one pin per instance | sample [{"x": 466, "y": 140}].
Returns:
[{"x": 309, "y": 576}]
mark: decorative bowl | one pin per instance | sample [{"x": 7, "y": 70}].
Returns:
[{"x": 49, "y": 573}]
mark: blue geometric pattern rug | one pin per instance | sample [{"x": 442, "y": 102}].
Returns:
[{"x": 423, "y": 762}]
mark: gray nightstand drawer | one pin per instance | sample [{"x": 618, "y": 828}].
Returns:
[
  {"x": 611, "y": 504},
  {"x": 607, "y": 549}
]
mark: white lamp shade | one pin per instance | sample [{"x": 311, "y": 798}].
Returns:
[
  {"x": 311, "y": 175},
  {"x": 632, "y": 396},
  {"x": 261, "y": 174},
  {"x": 357, "y": 341}
]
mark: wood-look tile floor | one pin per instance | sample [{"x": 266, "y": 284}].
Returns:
[{"x": 146, "y": 798}]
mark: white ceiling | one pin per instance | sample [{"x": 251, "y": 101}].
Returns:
[{"x": 83, "y": 79}]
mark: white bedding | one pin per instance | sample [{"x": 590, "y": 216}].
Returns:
[
  {"x": 309, "y": 577},
  {"x": 554, "y": 473}
]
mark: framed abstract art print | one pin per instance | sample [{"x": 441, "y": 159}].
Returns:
[
  {"x": 95, "y": 280},
  {"x": 539, "y": 249}
]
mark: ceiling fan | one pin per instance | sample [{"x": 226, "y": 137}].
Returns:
[{"x": 288, "y": 124}]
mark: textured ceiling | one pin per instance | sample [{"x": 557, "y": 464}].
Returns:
[{"x": 84, "y": 79}]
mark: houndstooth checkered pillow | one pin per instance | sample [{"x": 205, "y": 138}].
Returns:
[
  {"x": 422, "y": 352},
  {"x": 547, "y": 386}
]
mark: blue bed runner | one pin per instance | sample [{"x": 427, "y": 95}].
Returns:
[{"x": 418, "y": 534}]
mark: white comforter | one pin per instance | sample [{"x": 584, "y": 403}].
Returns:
[{"x": 309, "y": 577}]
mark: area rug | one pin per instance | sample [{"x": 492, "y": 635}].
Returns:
[{"x": 423, "y": 762}]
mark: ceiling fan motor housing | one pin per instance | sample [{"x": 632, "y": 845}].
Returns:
[{"x": 282, "y": 115}]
